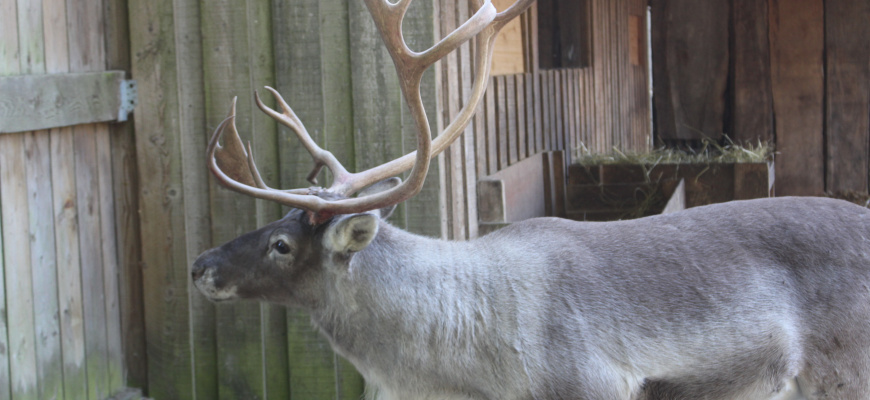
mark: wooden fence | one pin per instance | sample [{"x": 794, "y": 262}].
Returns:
[
  {"x": 602, "y": 106},
  {"x": 792, "y": 72},
  {"x": 69, "y": 237}
]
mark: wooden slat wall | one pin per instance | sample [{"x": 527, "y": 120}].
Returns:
[
  {"x": 602, "y": 106},
  {"x": 60, "y": 253},
  {"x": 799, "y": 77}
]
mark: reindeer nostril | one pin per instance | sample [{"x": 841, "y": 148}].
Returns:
[{"x": 197, "y": 272}]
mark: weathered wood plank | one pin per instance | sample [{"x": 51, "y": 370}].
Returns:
[
  {"x": 273, "y": 339},
  {"x": 501, "y": 114},
  {"x": 690, "y": 68},
  {"x": 227, "y": 41},
  {"x": 43, "y": 264},
  {"x": 452, "y": 89},
  {"x": 95, "y": 317},
  {"x": 511, "y": 131},
  {"x": 69, "y": 276},
  {"x": 797, "y": 47},
  {"x": 479, "y": 124},
  {"x": 108, "y": 241},
  {"x": 164, "y": 253},
  {"x": 300, "y": 54},
  {"x": 34, "y": 102},
  {"x": 847, "y": 92},
  {"x": 469, "y": 176},
  {"x": 87, "y": 54},
  {"x": 752, "y": 103},
  {"x": 9, "y": 53},
  {"x": 533, "y": 116},
  {"x": 30, "y": 37},
  {"x": 520, "y": 110},
  {"x": 546, "y": 120},
  {"x": 193, "y": 191},
  {"x": 23, "y": 377},
  {"x": 491, "y": 126}
]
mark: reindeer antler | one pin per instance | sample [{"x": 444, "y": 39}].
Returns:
[{"x": 234, "y": 167}]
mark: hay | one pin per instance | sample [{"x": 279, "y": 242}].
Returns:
[{"x": 710, "y": 152}]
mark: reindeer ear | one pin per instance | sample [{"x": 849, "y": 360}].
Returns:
[
  {"x": 351, "y": 233},
  {"x": 381, "y": 186}
]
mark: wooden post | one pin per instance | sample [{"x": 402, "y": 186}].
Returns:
[{"x": 797, "y": 46}]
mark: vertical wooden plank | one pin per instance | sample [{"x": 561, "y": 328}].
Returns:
[
  {"x": 338, "y": 131},
  {"x": 65, "y": 212},
  {"x": 491, "y": 126},
  {"x": 153, "y": 44},
  {"x": 502, "y": 120},
  {"x": 300, "y": 52},
  {"x": 227, "y": 43},
  {"x": 510, "y": 118},
  {"x": 44, "y": 265},
  {"x": 109, "y": 257},
  {"x": 87, "y": 53},
  {"x": 8, "y": 66},
  {"x": 194, "y": 193},
  {"x": 531, "y": 36},
  {"x": 692, "y": 73},
  {"x": 534, "y": 89},
  {"x": 480, "y": 137},
  {"x": 529, "y": 112},
  {"x": 452, "y": 86},
  {"x": 847, "y": 89},
  {"x": 569, "y": 90},
  {"x": 554, "y": 114},
  {"x": 522, "y": 132},
  {"x": 559, "y": 99},
  {"x": 469, "y": 175},
  {"x": 752, "y": 105},
  {"x": 65, "y": 218},
  {"x": 797, "y": 46},
  {"x": 125, "y": 201},
  {"x": 30, "y": 37},
  {"x": 274, "y": 363},
  {"x": 544, "y": 114},
  {"x": 23, "y": 381},
  {"x": 88, "y": 202}
]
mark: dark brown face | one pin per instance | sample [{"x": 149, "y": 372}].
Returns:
[{"x": 278, "y": 263}]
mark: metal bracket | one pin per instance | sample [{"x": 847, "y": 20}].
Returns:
[{"x": 129, "y": 98}]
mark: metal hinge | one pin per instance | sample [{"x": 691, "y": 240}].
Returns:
[{"x": 129, "y": 98}]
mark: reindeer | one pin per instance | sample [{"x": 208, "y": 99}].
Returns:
[{"x": 762, "y": 299}]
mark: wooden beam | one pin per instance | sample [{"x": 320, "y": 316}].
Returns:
[
  {"x": 847, "y": 87},
  {"x": 797, "y": 81},
  {"x": 35, "y": 102}
]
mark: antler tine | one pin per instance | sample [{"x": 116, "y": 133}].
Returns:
[{"x": 289, "y": 119}]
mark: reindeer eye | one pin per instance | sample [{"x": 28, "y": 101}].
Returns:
[{"x": 282, "y": 247}]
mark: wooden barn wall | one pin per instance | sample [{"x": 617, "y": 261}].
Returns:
[
  {"x": 602, "y": 107},
  {"x": 190, "y": 58},
  {"x": 795, "y": 73},
  {"x": 68, "y": 233}
]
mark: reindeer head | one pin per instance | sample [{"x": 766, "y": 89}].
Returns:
[{"x": 290, "y": 260}]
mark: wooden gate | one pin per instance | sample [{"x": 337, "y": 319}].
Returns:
[{"x": 67, "y": 215}]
